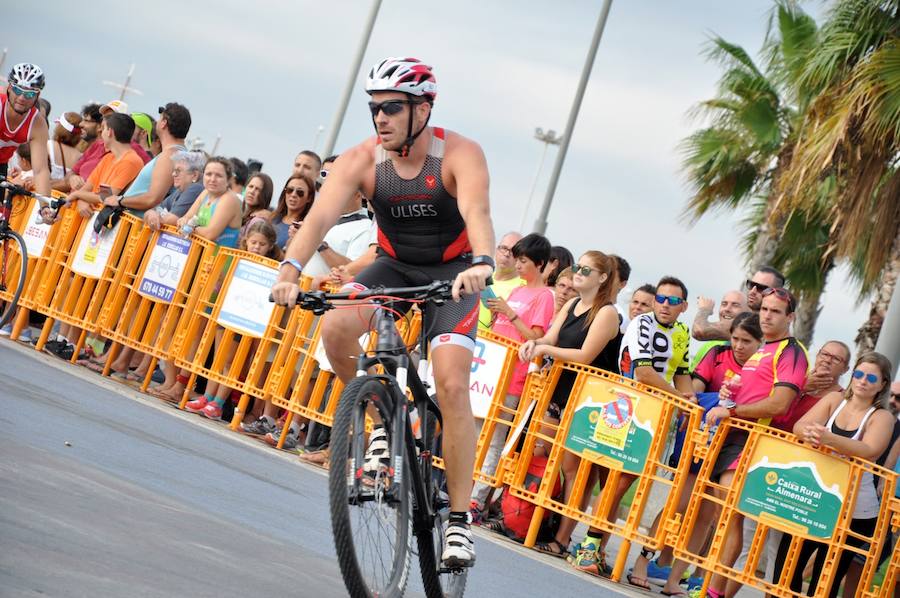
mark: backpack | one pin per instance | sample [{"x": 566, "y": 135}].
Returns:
[{"x": 517, "y": 512}]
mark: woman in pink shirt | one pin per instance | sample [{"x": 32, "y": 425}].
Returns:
[{"x": 524, "y": 315}]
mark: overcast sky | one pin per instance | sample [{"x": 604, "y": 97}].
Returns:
[{"x": 265, "y": 75}]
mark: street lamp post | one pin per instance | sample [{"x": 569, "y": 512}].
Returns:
[
  {"x": 549, "y": 138},
  {"x": 540, "y": 225}
]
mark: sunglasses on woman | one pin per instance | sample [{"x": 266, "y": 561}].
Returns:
[
  {"x": 672, "y": 299},
  {"x": 583, "y": 270},
  {"x": 298, "y": 191},
  {"x": 870, "y": 378}
]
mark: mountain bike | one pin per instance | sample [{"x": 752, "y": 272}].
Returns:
[
  {"x": 381, "y": 500},
  {"x": 13, "y": 254}
]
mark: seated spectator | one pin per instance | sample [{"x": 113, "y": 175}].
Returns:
[
  {"x": 560, "y": 259},
  {"x": 257, "y": 198},
  {"x": 217, "y": 210},
  {"x": 505, "y": 276},
  {"x": 63, "y": 147},
  {"x": 586, "y": 330},
  {"x": 294, "y": 204},
  {"x": 97, "y": 150},
  {"x": 733, "y": 303},
  {"x": 308, "y": 164},
  {"x": 641, "y": 301},
  {"x": 186, "y": 177},
  {"x": 563, "y": 290},
  {"x": 854, "y": 423},
  {"x": 524, "y": 316}
]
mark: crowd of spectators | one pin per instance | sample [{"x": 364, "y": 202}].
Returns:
[{"x": 550, "y": 304}]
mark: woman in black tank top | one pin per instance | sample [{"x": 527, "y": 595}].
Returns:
[{"x": 586, "y": 330}]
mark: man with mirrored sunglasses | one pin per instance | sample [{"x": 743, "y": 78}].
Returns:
[
  {"x": 21, "y": 123},
  {"x": 428, "y": 188}
]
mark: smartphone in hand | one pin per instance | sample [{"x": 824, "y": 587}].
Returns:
[{"x": 487, "y": 293}]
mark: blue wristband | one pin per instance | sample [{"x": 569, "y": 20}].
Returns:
[{"x": 292, "y": 262}]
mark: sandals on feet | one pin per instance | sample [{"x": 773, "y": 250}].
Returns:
[
  {"x": 638, "y": 582},
  {"x": 559, "y": 551}
]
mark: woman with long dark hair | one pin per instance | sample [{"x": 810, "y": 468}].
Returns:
[{"x": 294, "y": 204}]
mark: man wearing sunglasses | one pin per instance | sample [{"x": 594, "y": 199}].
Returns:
[
  {"x": 428, "y": 188},
  {"x": 21, "y": 123},
  {"x": 771, "y": 381},
  {"x": 764, "y": 278}
]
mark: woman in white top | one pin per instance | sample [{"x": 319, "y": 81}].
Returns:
[{"x": 854, "y": 423}]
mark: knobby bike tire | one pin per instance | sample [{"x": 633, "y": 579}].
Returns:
[
  {"x": 12, "y": 248},
  {"x": 350, "y": 411},
  {"x": 430, "y": 542}
]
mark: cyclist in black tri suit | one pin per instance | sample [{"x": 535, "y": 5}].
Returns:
[{"x": 429, "y": 190}]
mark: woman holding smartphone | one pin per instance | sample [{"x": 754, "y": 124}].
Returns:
[{"x": 294, "y": 204}]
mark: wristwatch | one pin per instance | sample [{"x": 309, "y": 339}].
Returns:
[
  {"x": 323, "y": 247},
  {"x": 730, "y": 405},
  {"x": 484, "y": 259},
  {"x": 293, "y": 263},
  {"x": 120, "y": 201}
]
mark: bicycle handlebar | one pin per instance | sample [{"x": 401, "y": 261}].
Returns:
[
  {"x": 54, "y": 204},
  {"x": 319, "y": 302}
]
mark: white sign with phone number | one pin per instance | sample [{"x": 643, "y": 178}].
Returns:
[{"x": 484, "y": 377}]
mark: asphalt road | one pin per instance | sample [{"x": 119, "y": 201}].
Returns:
[{"x": 104, "y": 492}]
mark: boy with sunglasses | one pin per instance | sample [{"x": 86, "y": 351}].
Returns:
[
  {"x": 428, "y": 188},
  {"x": 21, "y": 123}
]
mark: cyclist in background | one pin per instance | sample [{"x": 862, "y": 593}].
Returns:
[
  {"x": 21, "y": 123},
  {"x": 429, "y": 190}
]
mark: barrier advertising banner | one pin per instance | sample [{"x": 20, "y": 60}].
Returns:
[
  {"x": 246, "y": 307},
  {"x": 93, "y": 250},
  {"x": 167, "y": 261}
]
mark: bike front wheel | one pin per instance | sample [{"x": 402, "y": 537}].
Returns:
[
  {"x": 13, "y": 270},
  {"x": 371, "y": 504}
]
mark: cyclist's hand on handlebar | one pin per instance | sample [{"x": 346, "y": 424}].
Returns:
[
  {"x": 285, "y": 293},
  {"x": 472, "y": 280}
]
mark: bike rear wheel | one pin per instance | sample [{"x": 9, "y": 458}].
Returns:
[
  {"x": 13, "y": 270},
  {"x": 371, "y": 511},
  {"x": 438, "y": 582}
]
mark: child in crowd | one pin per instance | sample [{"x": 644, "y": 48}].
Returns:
[{"x": 259, "y": 240}]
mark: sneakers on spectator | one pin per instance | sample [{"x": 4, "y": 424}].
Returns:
[
  {"x": 6, "y": 330},
  {"x": 260, "y": 427},
  {"x": 657, "y": 573},
  {"x": 290, "y": 440},
  {"x": 693, "y": 583},
  {"x": 591, "y": 559},
  {"x": 212, "y": 410},
  {"x": 459, "y": 549},
  {"x": 24, "y": 336},
  {"x": 64, "y": 350},
  {"x": 197, "y": 405}
]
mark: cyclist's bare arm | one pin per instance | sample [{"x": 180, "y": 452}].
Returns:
[
  {"x": 40, "y": 160},
  {"x": 468, "y": 169},
  {"x": 344, "y": 179}
]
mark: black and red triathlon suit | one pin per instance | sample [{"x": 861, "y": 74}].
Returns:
[{"x": 422, "y": 238}]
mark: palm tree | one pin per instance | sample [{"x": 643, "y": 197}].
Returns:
[
  {"x": 736, "y": 161},
  {"x": 851, "y": 131}
]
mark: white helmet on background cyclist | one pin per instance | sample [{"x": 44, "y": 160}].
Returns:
[
  {"x": 26, "y": 76},
  {"x": 406, "y": 75}
]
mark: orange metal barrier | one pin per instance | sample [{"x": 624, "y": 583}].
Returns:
[
  {"x": 890, "y": 585},
  {"x": 783, "y": 486},
  {"x": 157, "y": 287},
  {"x": 82, "y": 269},
  {"x": 617, "y": 424}
]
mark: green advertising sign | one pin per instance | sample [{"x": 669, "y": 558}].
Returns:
[
  {"x": 795, "y": 484},
  {"x": 614, "y": 422}
]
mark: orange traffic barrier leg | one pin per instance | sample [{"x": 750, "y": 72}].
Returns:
[
  {"x": 20, "y": 323},
  {"x": 186, "y": 395},
  {"x": 534, "y": 527},
  {"x": 111, "y": 357},
  {"x": 239, "y": 412},
  {"x": 284, "y": 430},
  {"x": 45, "y": 334}
]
